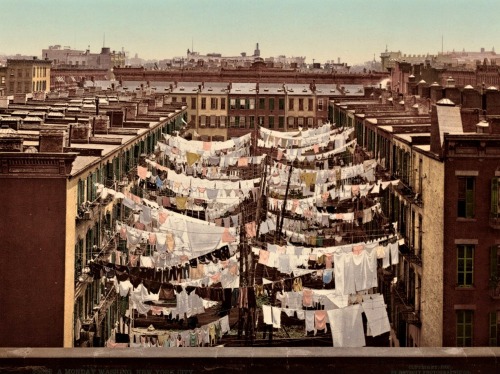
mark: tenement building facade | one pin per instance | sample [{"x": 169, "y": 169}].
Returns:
[
  {"x": 55, "y": 165},
  {"x": 446, "y": 154}
]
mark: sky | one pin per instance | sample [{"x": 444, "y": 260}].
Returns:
[{"x": 320, "y": 30}]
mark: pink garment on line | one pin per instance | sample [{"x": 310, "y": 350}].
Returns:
[
  {"x": 263, "y": 257},
  {"x": 251, "y": 229},
  {"x": 243, "y": 162},
  {"x": 227, "y": 237},
  {"x": 142, "y": 172}
]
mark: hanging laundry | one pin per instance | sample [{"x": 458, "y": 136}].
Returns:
[
  {"x": 346, "y": 325},
  {"x": 192, "y": 158},
  {"x": 142, "y": 172},
  {"x": 376, "y": 314},
  {"x": 250, "y": 229}
]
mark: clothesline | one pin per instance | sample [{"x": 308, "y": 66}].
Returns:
[
  {"x": 346, "y": 323},
  {"x": 205, "y": 334}
]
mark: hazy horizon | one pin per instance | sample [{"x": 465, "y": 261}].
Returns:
[{"x": 355, "y": 31}]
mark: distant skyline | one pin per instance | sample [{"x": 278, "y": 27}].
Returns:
[{"x": 353, "y": 30}]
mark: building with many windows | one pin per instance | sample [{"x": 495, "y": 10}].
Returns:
[
  {"x": 25, "y": 76},
  {"x": 56, "y": 221},
  {"x": 445, "y": 209},
  {"x": 226, "y": 110}
]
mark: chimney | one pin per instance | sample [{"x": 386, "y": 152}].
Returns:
[
  {"x": 52, "y": 141},
  {"x": 142, "y": 108},
  {"x": 116, "y": 117},
  {"x": 10, "y": 140},
  {"x": 482, "y": 127},
  {"x": 492, "y": 101},
  {"x": 80, "y": 132},
  {"x": 471, "y": 98},
  {"x": 101, "y": 124},
  {"x": 96, "y": 106},
  {"x": 470, "y": 118},
  {"x": 436, "y": 92}
]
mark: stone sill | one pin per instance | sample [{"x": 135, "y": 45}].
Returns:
[{"x": 461, "y": 219}]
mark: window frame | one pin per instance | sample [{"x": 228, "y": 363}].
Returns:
[
  {"x": 495, "y": 193},
  {"x": 466, "y": 191},
  {"x": 493, "y": 329},
  {"x": 465, "y": 276},
  {"x": 464, "y": 319}
]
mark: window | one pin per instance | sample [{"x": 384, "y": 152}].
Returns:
[
  {"x": 203, "y": 121},
  {"x": 251, "y": 103},
  {"x": 91, "y": 188},
  {"x": 232, "y": 104},
  {"x": 310, "y": 121},
  {"x": 81, "y": 192},
  {"x": 301, "y": 104},
  {"x": 271, "y": 122},
  {"x": 271, "y": 104},
  {"x": 213, "y": 103},
  {"x": 310, "y": 105},
  {"x": 242, "y": 121},
  {"x": 291, "y": 122},
  {"x": 320, "y": 104},
  {"x": 465, "y": 265},
  {"x": 89, "y": 243},
  {"x": 281, "y": 104},
  {"x": 464, "y": 328},
  {"x": 420, "y": 232},
  {"x": 251, "y": 120},
  {"x": 213, "y": 121},
  {"x": 465, "y": 207},
  {"x": 281, "y": 122},
  {"x": 232, "y": 121},
  {"x": 494, "y": 319},
  {"x": 193, "y": 103},
  {"x": 203, "y": 103},
  {"x": 78, "y": 256},
  {"x": 300, "y": 121},
  {"x": 222, "y": 121},
  {"x": 261, "y": 120},
  {"x": 262, "y": 103},
  {"x": 495, "y": 202},
  {"x": 290, "y": 104},
  {"x": 242, "y": 103},
  {"x": 174, "y": 99},
  {"x": 223, "y": 103},
  {"x": 183, "y": 100},
  {"x": 495, "y": 268}
]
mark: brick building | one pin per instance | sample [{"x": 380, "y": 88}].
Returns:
[
  {"x": 26, "y": 76},
  {"x": 72, "y": 58},
  {"x": 445, "y": 209},
  {"x": 55, "y": 217}
]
